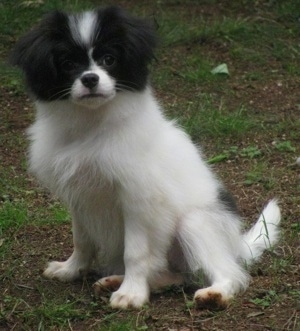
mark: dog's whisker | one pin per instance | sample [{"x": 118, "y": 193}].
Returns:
[
  {"x": 124, "y": 88},
  {"x": 60, "y": 94},
  {"x": 126, "y": 83}
]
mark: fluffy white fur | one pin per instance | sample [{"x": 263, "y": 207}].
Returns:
[{"x": 133, "y": 182}]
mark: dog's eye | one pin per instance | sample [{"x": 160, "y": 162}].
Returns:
[{"x": 109, "y": 60}]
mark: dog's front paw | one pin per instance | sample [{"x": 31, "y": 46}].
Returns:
[
  {"x": 211, "y": 298},
  {"x": 62, "y": 271},
  {"x": 122, "y": 300}
]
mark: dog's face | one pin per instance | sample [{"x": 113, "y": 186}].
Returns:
[{"x": 87, "y": 58}]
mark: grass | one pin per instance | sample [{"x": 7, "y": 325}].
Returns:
[
  {"x": 260, "y": 174},
  {"x": 11, "y": 78},
  {"x": 49, "y": 314},
  {"x": 285, "y": 146},
  {"x": 203, "y": 118},
  {"x": 12, "y": 215},
  {"x": 246, "y": 122},
  {"x": 233, "y": 152},
  {"x": 266, "y": 300},
  {"x": 46, "y": 314}
]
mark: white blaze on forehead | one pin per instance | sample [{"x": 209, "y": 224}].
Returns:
[{"x": 83, "y": 27}]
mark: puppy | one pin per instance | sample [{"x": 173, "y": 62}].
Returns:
[{"x": 147, "y": 211}]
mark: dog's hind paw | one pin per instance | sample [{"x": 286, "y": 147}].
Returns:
[
  {"x": 210, "y": 298},
  {"x": 111, "y": 284}
]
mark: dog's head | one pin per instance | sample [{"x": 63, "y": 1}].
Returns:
[{"x": 88, "y": 57}]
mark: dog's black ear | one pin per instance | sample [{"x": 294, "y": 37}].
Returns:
[
  {"x": 34, "y": 47},
  {"x": 142, "y": 37},
  {"x": 33, "y": 53},
  {"x": 23, "y": 52},
  {"x": 139, "y": 35}
]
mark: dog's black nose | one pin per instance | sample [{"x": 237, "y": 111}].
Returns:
[{"x": 90, "y": 80}]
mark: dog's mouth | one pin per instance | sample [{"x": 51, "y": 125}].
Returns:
[
  {"x": 92, "y": 96},
  {"x": 92, "y": 100}
]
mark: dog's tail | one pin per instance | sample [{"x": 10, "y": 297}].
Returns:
[{"x": 263, "y": 235}]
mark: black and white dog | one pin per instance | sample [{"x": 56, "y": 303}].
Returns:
[{"x": 146, "y": 209}]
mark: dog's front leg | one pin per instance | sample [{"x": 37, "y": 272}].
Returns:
[
  {"x": 134, "y": 291},
  {"x": 138, "y": 257},
  {"x": 78, "y": 263}
]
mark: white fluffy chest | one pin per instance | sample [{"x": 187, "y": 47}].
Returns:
[
  {"x": 72, "y": 166},
  {"x": 75, "y": 173},
  {"x": 141, "y": 155}
]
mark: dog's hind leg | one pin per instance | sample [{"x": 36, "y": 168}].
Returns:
[
  {"x": 210, "y": 241},
  {"x": 165, "y": 278}
]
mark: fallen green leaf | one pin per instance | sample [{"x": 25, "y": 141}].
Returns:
[{"x": 220, "y": 69}]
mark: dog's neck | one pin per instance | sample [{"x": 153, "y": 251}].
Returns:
[{"x": 74, "y": 121}]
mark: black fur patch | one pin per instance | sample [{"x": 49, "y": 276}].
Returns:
[{"x": 228, "y": 201}]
